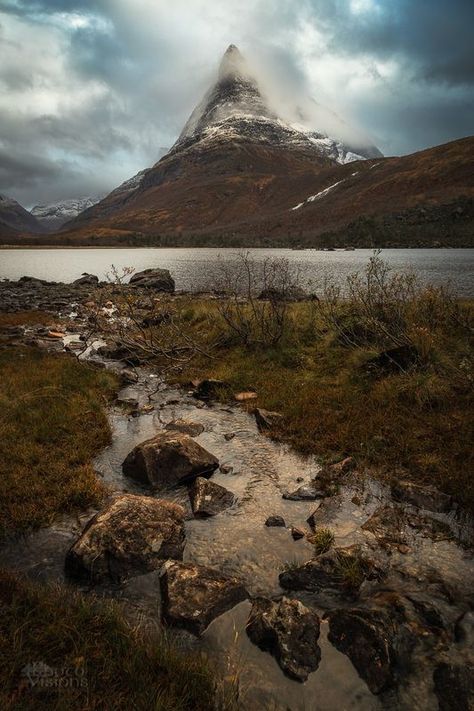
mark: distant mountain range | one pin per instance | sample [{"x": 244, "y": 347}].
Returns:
[
  {"x": 241, "y": 173},
  {"x": 53, "y": 216}
]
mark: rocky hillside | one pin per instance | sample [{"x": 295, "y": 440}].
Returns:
[{"x": 14, "y": 218}]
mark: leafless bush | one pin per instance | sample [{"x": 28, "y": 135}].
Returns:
[
  {"x": 386, "y": 308},
  {"x": 255, "y": 297},
  {"x": 143, "y": 326}
]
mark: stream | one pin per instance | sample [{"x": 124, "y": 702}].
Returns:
[{"x": 437, "y": 572}]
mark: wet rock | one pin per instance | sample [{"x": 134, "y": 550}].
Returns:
[
  {"x": 425, "y": 497},
  {"x": 309, "y": 492},
  {"x": 208, "y": 498},
  {"x": 128, "y": 377},
  {"x": 464, "y": 629},
  {"x": 297, "y": 533},
  {"x": 116, "y": 350},
  {"x": 454, "y": 686},
  {"x": 168, "y": 459},
  {"x": 158, "y": 279},
  {"x": 289, "y": 631},
  {"x": 329, "y": 477},
  {"x": 128, "y": 402},
  {"x": 312, "y": 519},
  {"x": 341, "y": 570},
  {"x": 275, "y": 521},
  {"x": 211, "y": 389},
  {"x": 390, "y": 526},
  {"x": 131, "y": 536},
  {"x": 193, "y": 429},
  {"x": 429, "y": 615},
  {"x": 394, "y": 360},
  {"x": 266, "y": 419},
  {"x": 193, "y": 596},
  {"x": 387, "y": 524},
  {"x": 87, "y": 280},
  {"x": 368, "y": 637}
]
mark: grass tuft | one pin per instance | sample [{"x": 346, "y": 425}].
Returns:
[{"x": 322, "y": 539}]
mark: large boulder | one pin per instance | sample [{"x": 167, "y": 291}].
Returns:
[
  {"x": 368, "y": 637},
  {"x": 158, "y": 279},
  {"x": 341, "y": 570},
  {"x": 192, "y": 596},
  {"x": 289, "y": 631},
  {"x": 168, "y": 459},
  {"x": 208, "y": 498},
  {"x": 86, "y": 280},
  {"x": 131, "y": 536}
]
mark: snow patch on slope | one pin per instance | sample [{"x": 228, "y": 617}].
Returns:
[{"x": 319, "y": 195}]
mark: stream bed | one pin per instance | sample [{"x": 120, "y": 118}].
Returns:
[{"x": 434, "y": 572}]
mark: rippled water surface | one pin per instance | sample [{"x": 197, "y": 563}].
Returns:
[{"x": 191, "y": 267}]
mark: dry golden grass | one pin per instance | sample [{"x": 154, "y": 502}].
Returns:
[
  {"x": 417, "y": 424},
  {"x": 108, "y": 665},
  {"x": 52, "y": 422},
  {"x": 27, "y": 318}
]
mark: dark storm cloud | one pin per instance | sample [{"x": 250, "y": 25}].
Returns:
[
  {"x": 435, "y": 35},
  {"x": 93, "y": 89}
]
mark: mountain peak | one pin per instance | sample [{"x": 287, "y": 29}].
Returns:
[{"x": 232, "y": 63}]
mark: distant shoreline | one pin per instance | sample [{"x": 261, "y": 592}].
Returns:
[{"x": 7, "y": 247}]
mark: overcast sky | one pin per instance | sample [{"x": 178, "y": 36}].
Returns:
[{"x": 91, "y": 91}]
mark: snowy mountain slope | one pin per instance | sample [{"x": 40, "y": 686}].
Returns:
[
  {"x": 235, "y": 107},
  {"x": 53, "y": 216}
]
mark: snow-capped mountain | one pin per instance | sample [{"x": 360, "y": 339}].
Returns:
[
  {"x": 235, "y": 107},
  {"x": 53, "y": 216},
  {"x": 239, "y": 150}
]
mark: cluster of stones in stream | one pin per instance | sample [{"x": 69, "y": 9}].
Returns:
[{"x": 136, "y": 534}]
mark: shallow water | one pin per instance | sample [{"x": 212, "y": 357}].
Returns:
[
  {"x": 237, "y": 542},
  {"x": 191, "y": 267}
]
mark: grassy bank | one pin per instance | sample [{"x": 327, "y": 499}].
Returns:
[
  {"x": 95, "y": 659},
  {"x": 52, "y": 423}
]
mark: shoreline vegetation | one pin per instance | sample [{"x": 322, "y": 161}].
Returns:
[{"x": 381, "y": 373}]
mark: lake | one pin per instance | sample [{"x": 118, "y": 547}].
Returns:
[{"x": 191, "y": 268}]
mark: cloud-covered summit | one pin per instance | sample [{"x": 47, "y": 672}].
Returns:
[{"x": 90, "y": 90}]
